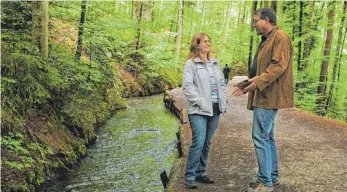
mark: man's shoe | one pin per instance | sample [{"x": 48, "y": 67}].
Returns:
[
  {"x": 255, "y": 183},
  {"x": 204, "y": 179},
  {"x": 190, "y": 184},
  {"x": 261, "y": 188}
]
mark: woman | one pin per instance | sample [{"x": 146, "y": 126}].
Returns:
[{"x": 204, "y": 87}]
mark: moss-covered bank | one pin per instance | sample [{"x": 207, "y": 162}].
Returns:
[
  {"x": 52, "y": 106},
  {"x": 46, "y": 149}
]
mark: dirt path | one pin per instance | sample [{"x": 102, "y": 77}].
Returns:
[{"x": 312, "y": 150}]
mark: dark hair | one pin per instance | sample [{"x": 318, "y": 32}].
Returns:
[
  {"x": 267, "y": 12},
  {"x": 193, "y": 50}
]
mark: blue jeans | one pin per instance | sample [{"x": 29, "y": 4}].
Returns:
[
  {"x": 265, "y": 145},
  {"x": 203, "y": 128}
]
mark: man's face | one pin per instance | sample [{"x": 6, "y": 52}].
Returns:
[{"x": 259, "y": 24}]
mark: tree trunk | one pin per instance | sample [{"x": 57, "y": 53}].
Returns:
[
  {"x": 254, "y": 7},
  {"x": 344, "y": 40},
  {"x": 274, "y": 5},
  {"x": 238, "y": 14},
  {"x": 227, "y": 24},
  {"x": 203, "y": 14},
  {"x": 325, "y": 63},
  {"x": 308, "y": 40},
  {"x": 173, "y": 21},
  {"x": 294, "y": 19},
  {"x": 180, "y": 28},
  {"x": 341, "y": 51},
  {"x": 40, "y": 26},
  {"x": 299, "y": 35},
  {"x": 153, "y": 14},
  {"x": 139, "y": 9},
  {"x": 147, "y": 11},
  {"x": 266, "y": 4},
  {"x": 336, "y": 60},
  {"x": 80, "y": 31},
  {"x": 315, "y": 27},
  {"x": 193, "y": 24},
  {"x": 244, "y": 13}
]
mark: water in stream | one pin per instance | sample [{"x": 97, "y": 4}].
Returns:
[{"x": 131, "y": 151}]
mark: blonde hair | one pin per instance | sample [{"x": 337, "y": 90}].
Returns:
[{"x": 194, "y": 43}]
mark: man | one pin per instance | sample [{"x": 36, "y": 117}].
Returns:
[
  {"x": 270, "y": 88},
  {"x": 226, "y": 71}
]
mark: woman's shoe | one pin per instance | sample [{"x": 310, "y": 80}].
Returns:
[
  {"x": 204, "y": 179},
  {"x": 190, "y": 184}
]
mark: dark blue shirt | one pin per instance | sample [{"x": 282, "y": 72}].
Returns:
[{"x": 253, "y": 71}]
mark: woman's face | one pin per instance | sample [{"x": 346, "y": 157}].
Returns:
[{"x": 204, "y": 46}]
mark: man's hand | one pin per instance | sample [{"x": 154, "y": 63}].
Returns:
[
  {"x": 252, "y": 86},
  {"x": 237, "y": 91}
]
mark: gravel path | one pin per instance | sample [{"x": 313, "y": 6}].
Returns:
[{"x": 312, "y": 150}]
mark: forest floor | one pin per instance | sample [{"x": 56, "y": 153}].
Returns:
[{"x": 312, "y": 150}]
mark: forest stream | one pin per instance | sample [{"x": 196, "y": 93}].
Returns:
[{"x": 131, "y": 151}]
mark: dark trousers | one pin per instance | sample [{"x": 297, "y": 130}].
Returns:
[{"x": 226, "y": 78}]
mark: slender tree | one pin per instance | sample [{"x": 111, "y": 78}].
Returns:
[
  {"x": 254, "y": 7},
  {"x": 40, "y": 26},
  {"x": 294, "y": 19},
  {"x": 244, "y": 13},
  {"x": 147, "y": 10},
  {"x": 325, "y": 63},
  {"x": 308, "y": 40},
  {"x": 315, "y": 27},
  {"x": 299, "y": 35},
  {"x": 138, "y": 12},
  {"x": 227, "y": 24},
  {"x": 203, "y": 14},
  {"x": 180, "y": 28},
  {"x": 266, "y": 3},
  {"x": 336, "y": 60},
  {"x": 192, "y": 24},
  {"x": 174, "y": 20},
  {"x": 274, "y": 5},
  {"x": 343, "y": 45},
  {"x": 81, "y": 30},
  {"x": 239, "y": 14},
  {"x": 341, "y": 51}
]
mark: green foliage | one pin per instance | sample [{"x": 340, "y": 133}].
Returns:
[
  {"x": 84, "y": 94},
  {"x": 26, "y": 157},
  {"x": 14, "y": 142}
]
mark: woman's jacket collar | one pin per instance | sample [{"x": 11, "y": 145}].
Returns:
[{"x": 198, "y": 60}]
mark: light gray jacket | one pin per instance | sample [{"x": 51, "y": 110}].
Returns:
[{"x": 196, "y": 86}]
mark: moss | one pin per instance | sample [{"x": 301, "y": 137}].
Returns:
[
  {"x": 70, "y": 156},
  {"x": 12, "y": 187},
  {"x": 40, "y": 176},
  {"x": 31, "y": 187},
  {"x": 30, "y": 176},
  {"x": 57, "y": 164},
  {"x": 81, "y": 149}
]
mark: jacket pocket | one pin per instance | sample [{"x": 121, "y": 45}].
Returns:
[{"x": 204, "y": 106}]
